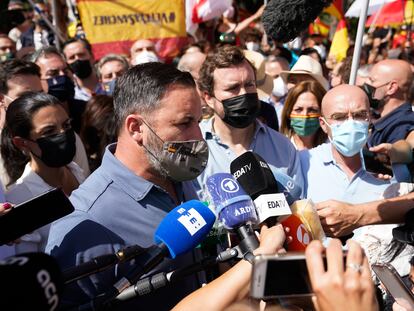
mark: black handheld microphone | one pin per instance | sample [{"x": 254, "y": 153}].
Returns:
[
  {"x": 38, "y": 275},
  {"x": 284, "y": 20},
  {"x": 152, "y": 283},
  {"x": 257, "y": 179},
  {"x": 101, "y": 263}
]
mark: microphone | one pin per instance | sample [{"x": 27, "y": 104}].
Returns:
[
  {"x": 256, "y": 178},
  {"x": 235, "y": 211},
  {"x": 179, "y": 232},
  {"x": 284, "y": 20},
  {"x": 101, "y": 263},
  {"x": 38, "y": 274},
  {"x": 152, "y": 283}
]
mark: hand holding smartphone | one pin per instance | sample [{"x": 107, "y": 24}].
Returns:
[
  {"x": 33, "y": 214},
  {"x": 392, "y": 281}
]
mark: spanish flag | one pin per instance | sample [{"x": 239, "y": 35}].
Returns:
[
  {"x": 340, "y": 43},
  {"x": 335, "y": 9},
  {"x": 319, "y": 27},
  {"x": 113, "y": 26}
]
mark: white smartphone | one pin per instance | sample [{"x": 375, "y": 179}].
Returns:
[
  {"x": 280, "y": 276},
  {"x": 394, "y": 285}
]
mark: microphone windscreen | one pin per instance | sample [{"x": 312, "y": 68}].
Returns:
[
  {"x": 233, "y": 206},
  {"x": 284, "y": 20},
  {"x": 185, "y": 227},
  {"x": 253, "y": 174},
  {"x": 31, "y": 281}
]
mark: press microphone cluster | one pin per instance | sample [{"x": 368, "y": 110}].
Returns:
[
  {"x": 30, "y": 281},
  {"x": 179, "y": 232}
]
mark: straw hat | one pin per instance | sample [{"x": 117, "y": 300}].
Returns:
[
  {"x": 264, "y": 82},
  {"x": 307, "y": 65}
]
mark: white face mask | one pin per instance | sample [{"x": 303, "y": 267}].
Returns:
[
  {"x": 146, "y": 57},
  {"x": 252, "y": 46},
  {"x": 279, "y": 87}
]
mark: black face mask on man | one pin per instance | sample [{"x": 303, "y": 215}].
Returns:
[
  {"x": 370, "y": 91},
  {"x": 57, "y": 150},
  {"x": 82, "y": 68},
  {"x": 62, "y": 87},
  {"x": 241, "y": 111}
]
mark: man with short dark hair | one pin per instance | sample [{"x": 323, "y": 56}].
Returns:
[
  {"x": 79, "y": 56},
  {"x": 228, "y": 85},
  {"x": 137, "y": 184},
  {"x": 16, "y": 77}
]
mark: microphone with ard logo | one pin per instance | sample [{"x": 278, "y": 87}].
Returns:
[{"x": 235, "y": 210}]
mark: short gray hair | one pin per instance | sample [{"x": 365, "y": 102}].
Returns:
[
  {"x": 110, "y": 58},
  {"x": 45, "y": 52}
]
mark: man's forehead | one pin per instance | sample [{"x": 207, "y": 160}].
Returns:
[
  {"x": 52, "y": 60},
  {"x": 345, "y": 103},
  {"x": 143, "y": 44},
  {"x": 233, "y": 73}
]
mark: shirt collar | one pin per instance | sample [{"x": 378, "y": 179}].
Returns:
[
  {"x": 207, "y": 128},
  {"x": 134, "y": 185},
  {"x": 392, "y": 117}
]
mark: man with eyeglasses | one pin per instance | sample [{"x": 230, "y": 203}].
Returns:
[
  {"x": 334, "y": 170},
  {"x": 388, "y": 87}
]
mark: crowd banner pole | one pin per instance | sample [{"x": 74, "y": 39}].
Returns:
[
  {"x": 54, "y": 29},
  {"x": 358, "y": 42},
  {"x": 55, "y": 17}
]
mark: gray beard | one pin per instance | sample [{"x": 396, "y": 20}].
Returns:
[{"x": 153, "y": 151}]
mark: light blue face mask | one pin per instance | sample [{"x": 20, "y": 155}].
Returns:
[{"x": 349, "y": 137}]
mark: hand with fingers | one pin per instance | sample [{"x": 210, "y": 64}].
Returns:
[
  {"x": 338, "y": 218},
  {"x": 340, "y": 287},
  {"x": 5, "y": 208}
]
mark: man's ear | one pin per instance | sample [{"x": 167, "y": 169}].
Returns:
[
  {"x": 392, "y": 87},
  {"x": 209, "y": 100},
  {"x": 323, "y": 125},
  {"x": 134, "y": 126}
]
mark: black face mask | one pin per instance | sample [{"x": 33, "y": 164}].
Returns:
[
  {"x": 62, "y": 87},
  {"x": 57, "y": 150},
  {"x": 242, "y": 110},
  {"x": 370, "y": 91},
  {"x": 81, "y": 68}
]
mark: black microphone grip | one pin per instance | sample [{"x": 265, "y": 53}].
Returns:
[
  {"x": 101, "y": 263},
  {"x": 248, "y": 242}
]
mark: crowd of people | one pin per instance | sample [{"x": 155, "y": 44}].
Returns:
[{"x": 106, "y": 132}]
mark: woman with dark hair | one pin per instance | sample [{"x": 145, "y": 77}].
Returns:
[
  {"x": 300, "y": 115},
  {"x": 98, "y": 128},
  {"x": 38, "y": 145}
]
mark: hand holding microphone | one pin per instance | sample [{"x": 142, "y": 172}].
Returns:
[{"x": 235, "y": 210}]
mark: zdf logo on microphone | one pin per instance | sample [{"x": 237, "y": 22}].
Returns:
[{"x": 229, "y": 185}]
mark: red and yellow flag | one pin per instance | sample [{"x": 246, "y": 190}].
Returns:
[
  {"x": 340, "y": 42},
  {"x": 113, "y": 26},
  {"x": 319, "y": 27},
  {"x": 336, "y": 9}
]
